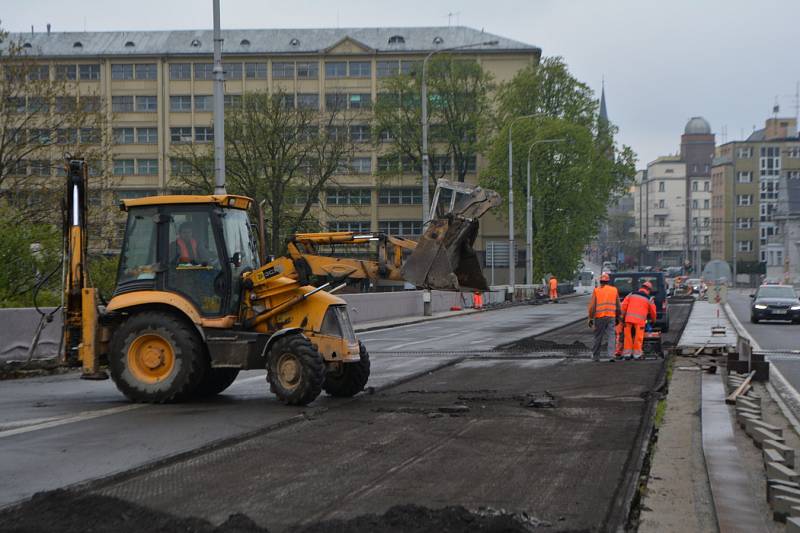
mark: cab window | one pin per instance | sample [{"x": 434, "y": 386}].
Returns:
[{"x": 138, "y": 257}]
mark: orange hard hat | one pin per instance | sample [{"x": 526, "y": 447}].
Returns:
[
  {"x": 605, "y": 277},
  {"x": 647, "y": 285}
]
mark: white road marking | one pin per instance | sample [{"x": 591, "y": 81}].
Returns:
[
  {"x": 35, "y": 424},
  {"x": 438, "y": 337}
]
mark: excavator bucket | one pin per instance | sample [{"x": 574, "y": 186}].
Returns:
[{"x": 444, "y": 258}]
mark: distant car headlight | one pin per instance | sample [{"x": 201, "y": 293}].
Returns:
[
  {"x": 759, "y": 306},
  {"x": 796, "y": 308}
]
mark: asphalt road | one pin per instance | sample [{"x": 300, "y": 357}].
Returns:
[{"x": 60, "y": 431}]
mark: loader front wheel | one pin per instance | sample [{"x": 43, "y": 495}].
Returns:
[
  {"x": 350, "y": 378},
  {"x": 156, "y": 357},
  {"x": 295, "y": 370},
  {"x": 215, "y": 381}
]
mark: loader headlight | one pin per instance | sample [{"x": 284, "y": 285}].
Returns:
[{"x": 759, "y": 306}]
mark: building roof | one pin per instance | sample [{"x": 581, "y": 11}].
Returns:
[
  {"x": 757, "y": 135},
  {"x": 665, "y": 159},
  {"x": 261, "y": 41},
  {"x": 697, "y": 126}
]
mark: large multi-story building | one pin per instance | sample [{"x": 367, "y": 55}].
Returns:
[
  {"x": 746, "y": 179},
  {"x": 673, "y": 201},
  {"x": 157, "y": 86}
]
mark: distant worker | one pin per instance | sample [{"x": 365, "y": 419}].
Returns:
[
  {"x": 604, "y": 312},
  {"x": 636, "y": 309},
  {"x": 553, "y": 285}
]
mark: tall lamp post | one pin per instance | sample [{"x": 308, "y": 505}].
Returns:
[
  {"x": 512, "y": 262},
  {"x": 426, "y": 207},
  {"x": 529, "y": 213}
]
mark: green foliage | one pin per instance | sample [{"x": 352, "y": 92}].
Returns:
[
  {"x": 28, "y": 253},
  {"x": 103, "y": 274},
  {"x": 572, "y": 182}
]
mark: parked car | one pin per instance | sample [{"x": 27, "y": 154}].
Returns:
[
  {"x": 627, "y": 282},
  {"x": 775, "y": 302},
  {"x": 696, "y": 284},
  {"x": 609, "y": 267}
]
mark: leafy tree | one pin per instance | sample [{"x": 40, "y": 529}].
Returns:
[
  {"x": 459, "y": 111},
  {"x": 275, "y": 153}
]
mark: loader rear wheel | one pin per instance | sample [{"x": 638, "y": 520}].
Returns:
[
  {"x": 351, "y": 378},
  {"x": 156, "y": 357},
  {"x": 215, "y": 381},
  {"x": 295, "y": 370}
]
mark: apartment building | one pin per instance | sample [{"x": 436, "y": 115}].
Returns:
[
  {"x": 157, "y": 86},
  {"x": 746, "y": 183}
]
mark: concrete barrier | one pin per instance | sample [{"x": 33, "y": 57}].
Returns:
[{"x": 17, "y": 329}]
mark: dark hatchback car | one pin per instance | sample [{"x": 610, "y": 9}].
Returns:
[
  {"x": 775, "y": 302},
  {"x": 626, "y": 282}
]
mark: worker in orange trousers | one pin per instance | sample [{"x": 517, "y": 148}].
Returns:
[
  {"x": 553, "y": 285},
  {"x": 636, "y": 309}
]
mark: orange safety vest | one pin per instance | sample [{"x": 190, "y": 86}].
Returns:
[
  {"x": 604, "y": 302},
  {"x": 184, "y": 256},
  {"x": 553, "y": 283},
  {"x": 637, "y": 307}
]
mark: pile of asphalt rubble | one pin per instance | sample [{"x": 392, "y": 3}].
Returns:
[{"x": 61, "y": 511}]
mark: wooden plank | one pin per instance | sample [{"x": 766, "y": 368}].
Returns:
[{"x": 731, "y": 399}]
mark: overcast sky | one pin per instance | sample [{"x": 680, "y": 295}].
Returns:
[{"x": 664, "y": 61}]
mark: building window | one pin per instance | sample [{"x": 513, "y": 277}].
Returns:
[
  {"x": 203, "y": 102},
  {"x": 744, "y": 199},
  {"x": 770, "y": 161},
  {"x": 408, "y": 228},
  {"x": 744, "y": 223},
  {"x": 40, "y": 167},
  {"x": 385, "y": 136},
  {"x": 180, "y": 167},
  {"x": 400, "y": 196},
  {"x": 233, "y": 71},
  {"x": 360, "y": 69},
  {"x": 66, "y": 104},
  {"x": 694, "y": 204},
  {"x": 360, "y": 101},
  {"x": 123, "y": 167},
  {"x": 121, "y": 71},
  {"x": 359, "y": 133},
  {"x": 706, "y": 203},
  {"x": 661, "y": 204},
  {"x": 147, "y": 167},
  {"x": 695, "y": 186},
  {"x": 335, "y": 101},
  {"x": 145, "y": 71},
  {"x": 89, "y": 136},
  {"x": 39, "y": 73},
  {"x": 441, "y": 163},
  {"x": 707, "y": 186},
  {"x": 335, "y": 69},
  {"x": 669, "y": 171},
  {"x": 661, "y": 220},
  {"x": 361, "y": 165},
  {"x": 308, "y": 101},
  {"x": 744, "y": 177},
  {"x": 354, "y": 226},
  {"x": 66, "y": 72},
  {"x": 410, "y": 68},
  {"x": 146, "y": 104},
  {"x": 662, "y": 186},
  {"x": 89, "y": 72},
  {"x": 180, "y": 135},
  {"x": 348, "y": 196},
  {"x": 308, "y": 71},
  {"x": 180, "y": 104},
  {"x": 66, "y": 136},
  {"x": 232, "y": 101},
  {"x": 147, "y": 135},
  {"x": 286, "y": 101},
  {"x": 793, "y": 152},
  {"x": 203, "y": 134},
  {"x": 204, "y": 71},
  {"x": 387, "y": 69},
  {"x": 255, "y": 71},
  {"x": 706, "y": 222},
  {"x": 793, "y": 174},
  {"x": 744, "y": 246},
  {"x": 282, "y": 70},
  {"x": 122, "y": 104},
  {"x": 744, "y": 152},
  {"x": 123, "y": 135},
  {"x": 180, "y": 71}
]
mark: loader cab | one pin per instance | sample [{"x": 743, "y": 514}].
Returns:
[{"x": 195, "y": 246}]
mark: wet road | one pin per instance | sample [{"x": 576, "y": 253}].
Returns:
[{"x": 59, "y": 431}]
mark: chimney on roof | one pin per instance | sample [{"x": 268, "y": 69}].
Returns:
[
  {"x": 31, "y": 30},
  {"x": 48, "y": 28}
]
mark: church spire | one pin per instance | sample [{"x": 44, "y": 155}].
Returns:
[{"x": 603, "y": 110}]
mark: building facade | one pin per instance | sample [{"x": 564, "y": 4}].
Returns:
[
  {"x": 157, "y": 88},
  {"x": 746, "y": 178}
]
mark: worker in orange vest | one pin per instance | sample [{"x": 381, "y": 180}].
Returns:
[
  {"x": 604, "y": 312},
  {"x": 553, "y": 284},
  {"x": 636, "y": 309}
]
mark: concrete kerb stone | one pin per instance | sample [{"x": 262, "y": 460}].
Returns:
[
  {"x": 792, "y": 522},
  {"x": 742, "y": 402},
  {"x": 759, "y": 435},
  {"x": 779, "y": 483},
  {"x": 752, "y": 423},
  {"x": 771, "y": 455},
  {"x": 743, "y": 417},
  {"x": 786, "y": 451},
  {"x": 782, "y": 490},
  {"x": 781, "y": 471},
  {"x": 782, "y": 505}
]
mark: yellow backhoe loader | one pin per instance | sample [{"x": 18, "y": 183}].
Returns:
[{"x": 193, "y": 305}]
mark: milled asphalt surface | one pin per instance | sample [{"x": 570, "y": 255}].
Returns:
[{"x": 58, "y": 431}]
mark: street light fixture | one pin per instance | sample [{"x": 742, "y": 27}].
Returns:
[{"x": 529, "y": 213}]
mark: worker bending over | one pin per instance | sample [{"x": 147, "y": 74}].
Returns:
[
  {"x": 636, "y": 309},
  {"x": 604, "y": 313},
  {"x": 553, "y": 284}
]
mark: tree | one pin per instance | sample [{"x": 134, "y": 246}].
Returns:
[
  {"x": 459, "y": 111},
  {"x": 573, "y": 181},
  {"x": 276, "y": 153}
]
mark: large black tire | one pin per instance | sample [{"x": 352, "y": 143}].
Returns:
[
  {"x": 351, "y": 377},
  {"x": 177, "y": 380},
  {"x": 295, "y": 370},
  {"x": 215, "y": 381}
]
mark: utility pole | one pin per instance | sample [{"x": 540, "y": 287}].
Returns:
[{"x": 219, "y": 107}]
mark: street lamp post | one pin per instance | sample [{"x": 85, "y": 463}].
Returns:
[
  {"x": 529, "y": 214},
  {"x": 426, "y": 207}
]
